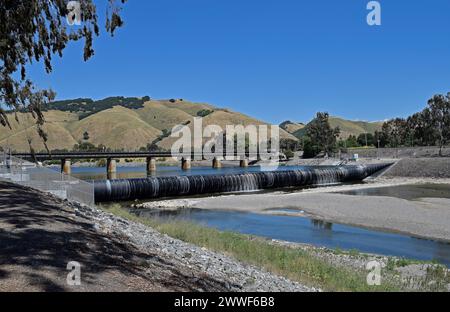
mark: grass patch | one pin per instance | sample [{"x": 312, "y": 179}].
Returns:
[
  {"x": 293, "y": 263},
  {"x": 394, "y": 263}
]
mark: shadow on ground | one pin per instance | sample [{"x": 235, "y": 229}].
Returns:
[{"x": 39, "y": 236}]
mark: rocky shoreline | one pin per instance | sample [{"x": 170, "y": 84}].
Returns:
[
  {"x": 412, "y": 275},
  {"x": 235, "y": 275}
]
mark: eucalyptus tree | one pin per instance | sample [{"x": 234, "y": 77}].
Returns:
[
  {"x": 428, "y": 127},
  {"x": 322, "y": 136},
  {"x": 395, "y": 131},
  {"x": 439, "y": 106},
  {"x": 36, "y": 31},
  {"x": 420, "y": 126}
]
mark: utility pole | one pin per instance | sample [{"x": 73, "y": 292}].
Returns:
[{"x": 378, "y": 149}]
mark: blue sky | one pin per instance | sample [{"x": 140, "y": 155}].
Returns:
[{"x": 272, "y": 59}]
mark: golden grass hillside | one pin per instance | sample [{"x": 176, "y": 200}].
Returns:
[
  {"x": 119, "y": 127},
  {"x": 59, "y": 137},
  {"x": 162, "y": 116},
  {"x": 223, "y": 118},
  {"x": 186, "y": 106},
  {"x": 291, "y": 127},
  {"x": 349, "y": 127}
]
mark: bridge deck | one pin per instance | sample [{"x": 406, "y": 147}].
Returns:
[{"x": 97, "y": 155}]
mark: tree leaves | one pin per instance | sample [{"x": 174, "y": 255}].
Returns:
[
  {"x": 321, "y": 136},
  {"x": 35, "y": 30},
  {"x": 429, "y": 127}
]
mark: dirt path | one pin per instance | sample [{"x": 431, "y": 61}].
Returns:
[{"x": 38, "y": 237}]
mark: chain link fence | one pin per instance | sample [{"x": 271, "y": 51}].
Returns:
[{"x": 25, "y": 173}]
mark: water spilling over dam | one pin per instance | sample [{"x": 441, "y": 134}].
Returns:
[{"x": 157, "y": 187}]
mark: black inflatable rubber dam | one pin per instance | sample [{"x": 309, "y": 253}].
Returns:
[{"x": 157, "y": 187}]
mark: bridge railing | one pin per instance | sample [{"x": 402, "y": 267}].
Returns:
[{"x": 25, "y": 173}]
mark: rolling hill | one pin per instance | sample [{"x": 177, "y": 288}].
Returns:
[
  {"x": 117, "y": 122},
  {"x": 117, "y": 128},
  {"x": 347, "y": 127},
  {"x": 25, "y": 129},
  {"x": 132, "y": 123},
  {"x": 222, "y": 118},
  {"x": 292, "y": 127}
]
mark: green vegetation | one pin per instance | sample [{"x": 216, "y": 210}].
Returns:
[
  {"x": 204, "y": 112},
  {"x": 362, "y": 140},
  {"x": 153, "y": 146},
  {"x": 352, "y": 134},
  {"x": 37, "y": 32},
  {"x": 101, "y": 162},
  {"x": 431, "y": 126},
  {"x": 436, "y": 277},
  {"x": 293, "y": 263},
  {"x": 320, "y": 136},
  {"x": 346, "y": 127},
  {"x": 87, "y": 107},
  {"x": 86, "y": 136}
]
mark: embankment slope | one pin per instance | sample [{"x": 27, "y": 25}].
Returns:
[
  {"x": 41, "y": 234},
  {"x": 433, "y": 167}
]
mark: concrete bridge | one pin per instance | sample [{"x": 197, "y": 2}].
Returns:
[{"x": 111, "y": 158}]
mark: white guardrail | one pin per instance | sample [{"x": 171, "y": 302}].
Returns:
[{"x": 25, "y": 173}]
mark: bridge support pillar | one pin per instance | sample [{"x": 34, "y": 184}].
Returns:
[
  {"x": 185, "y": 164},
  {"x": 111, "y": 165},
  {"x": 243, "y": 163},
  {"x": 151, "y": 164},
  {"x": 216, "y": 163},
  {"x": 66, "y": 166}
]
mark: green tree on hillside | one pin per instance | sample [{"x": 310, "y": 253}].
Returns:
[
  {"x": 84, "y": 147},
  {"x": 204, "y": 112},
  {"x": 36, "y": 30},
  {"x": 322, "y": 138}
]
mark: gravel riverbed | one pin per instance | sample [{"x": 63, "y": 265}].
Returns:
[{"x": 236, "y": 276}]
